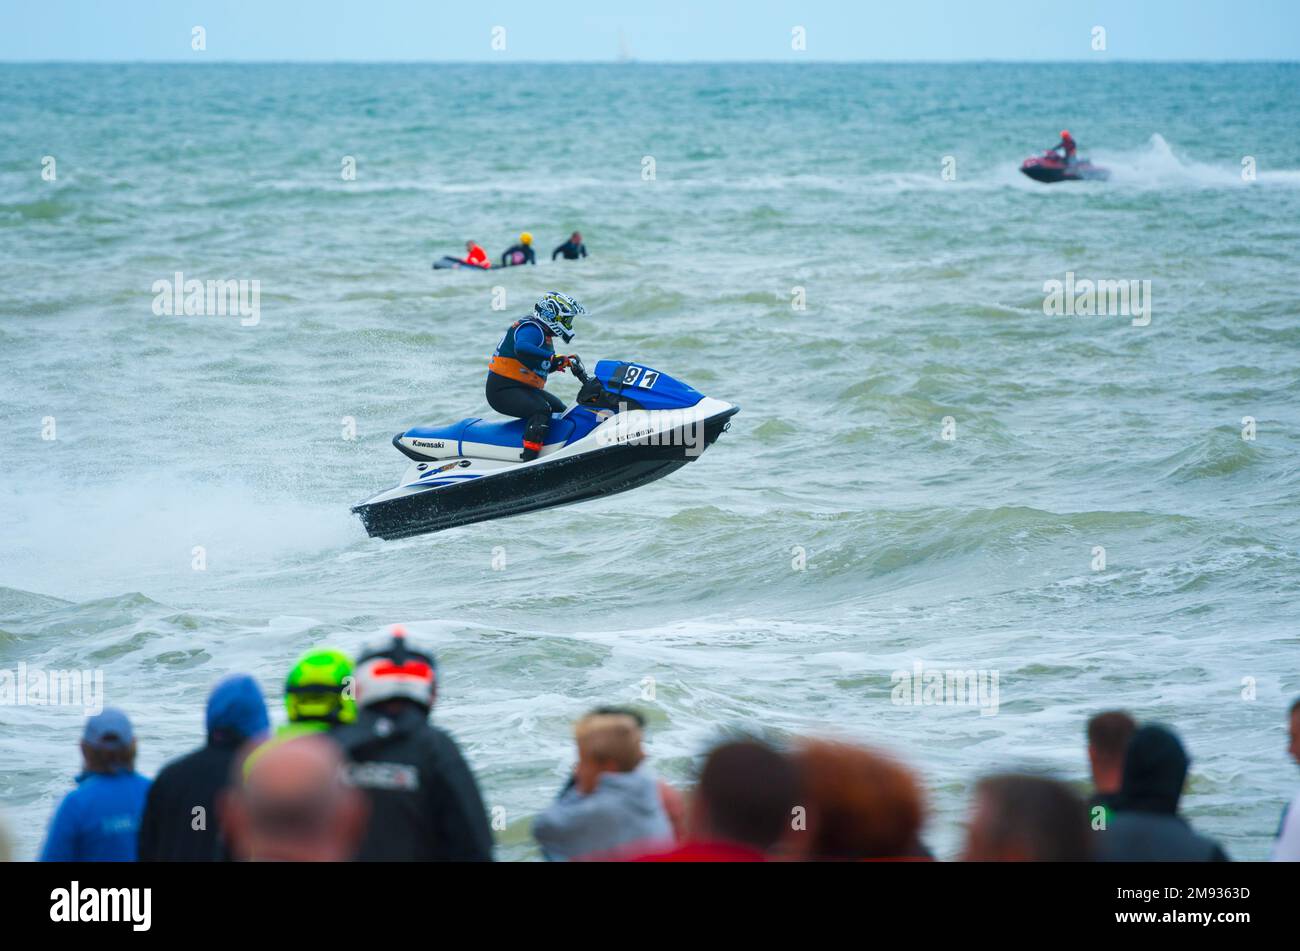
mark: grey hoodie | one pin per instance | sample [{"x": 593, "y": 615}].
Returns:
[
  {"x": 623, "y": 808},
  {"x": 1146, "y": 826}
]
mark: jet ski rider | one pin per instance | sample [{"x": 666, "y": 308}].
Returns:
[
  {"x": 1066, "y": 147},
  {"x": 518, "y": 369}
]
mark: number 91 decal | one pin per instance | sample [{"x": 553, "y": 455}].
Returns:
[{"x": 640, "y": 377}]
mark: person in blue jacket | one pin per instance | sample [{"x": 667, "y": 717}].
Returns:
[
  {"x": 518, "y": 369},
  {"x": 99, "y": 821}
]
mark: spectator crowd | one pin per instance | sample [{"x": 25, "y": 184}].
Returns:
[{"x": 360, "y": 773}]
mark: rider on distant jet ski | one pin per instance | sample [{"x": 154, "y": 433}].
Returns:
[
  {"x": 1066, "y": 147},
  {"x": 517, "y": 372}
]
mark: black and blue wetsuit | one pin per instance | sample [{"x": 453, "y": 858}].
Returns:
[{"x": 518, "y": 254}]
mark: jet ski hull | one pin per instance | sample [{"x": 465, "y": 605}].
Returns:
[
  {"x": 1049, "y": 171},
  {"x": 416, "y": 509}
]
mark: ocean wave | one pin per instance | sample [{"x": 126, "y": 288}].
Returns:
[
  {"x": 40, "y": 209},
  {"x": 1218, "y": 454}
]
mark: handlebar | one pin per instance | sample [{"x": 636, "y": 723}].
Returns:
[{"x": 578, "y": 370}]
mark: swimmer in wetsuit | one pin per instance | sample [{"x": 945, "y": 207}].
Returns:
[
  {"x": 571, "y": 249},
  {"x": 521, "y": 253}
]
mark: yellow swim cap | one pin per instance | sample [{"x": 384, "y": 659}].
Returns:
[{"x": 525, "y": 238}]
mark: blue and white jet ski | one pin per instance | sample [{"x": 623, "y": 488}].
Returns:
[{"x": 631, "y": 425}]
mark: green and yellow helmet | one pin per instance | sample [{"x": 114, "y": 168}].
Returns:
[{"x": 320, "y": 688}]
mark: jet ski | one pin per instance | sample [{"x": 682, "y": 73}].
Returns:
[
  {"x": 448, "y": 262},
  {"x": 1050, "y": 167},
  {"x": 631, "y": 425}
]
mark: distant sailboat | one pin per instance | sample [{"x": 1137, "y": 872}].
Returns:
[{"x": 624, "y": 51}]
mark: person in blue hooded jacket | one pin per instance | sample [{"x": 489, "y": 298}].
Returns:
[
  {"x": 180, "y": 822},
  {"x": 100, "y": 819}
]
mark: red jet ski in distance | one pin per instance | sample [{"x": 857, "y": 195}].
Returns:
[{"x": 1050, "y": 167}]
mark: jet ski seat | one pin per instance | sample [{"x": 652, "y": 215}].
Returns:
[{"x": 477, "y": 439}]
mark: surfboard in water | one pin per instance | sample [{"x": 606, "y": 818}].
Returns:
[{"x": 447, "y": 262}]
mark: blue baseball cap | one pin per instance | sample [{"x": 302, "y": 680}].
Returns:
[{"x": 108, "y": 730}]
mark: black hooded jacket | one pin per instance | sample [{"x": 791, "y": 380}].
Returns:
[
  {"x": 424, "y": 802},
  {"x": 1145, "y": 825},
  {"x": 181, "y": 822}
]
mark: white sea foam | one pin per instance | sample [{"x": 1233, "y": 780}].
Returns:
[{"x": 1160, "y": 165}]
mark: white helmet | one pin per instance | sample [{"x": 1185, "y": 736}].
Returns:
[{"x": 396, "y": 671}]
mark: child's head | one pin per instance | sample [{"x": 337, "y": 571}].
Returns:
[{"x": 607, "y": 743}]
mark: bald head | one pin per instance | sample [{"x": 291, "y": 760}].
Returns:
[{"x": 293, "y": 804}]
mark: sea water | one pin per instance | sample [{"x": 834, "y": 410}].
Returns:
[{"x": 929, "y": 472}]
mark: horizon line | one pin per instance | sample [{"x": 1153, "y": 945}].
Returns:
[{"x": 203, "y": 61}]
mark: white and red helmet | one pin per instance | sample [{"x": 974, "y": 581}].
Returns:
[{"x": 396, "y": 671}]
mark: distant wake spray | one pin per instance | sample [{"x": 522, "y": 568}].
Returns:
[{"x": 1157, "y": 166}]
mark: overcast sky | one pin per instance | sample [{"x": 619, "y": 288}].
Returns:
[{"x": 653, "y": 30}]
